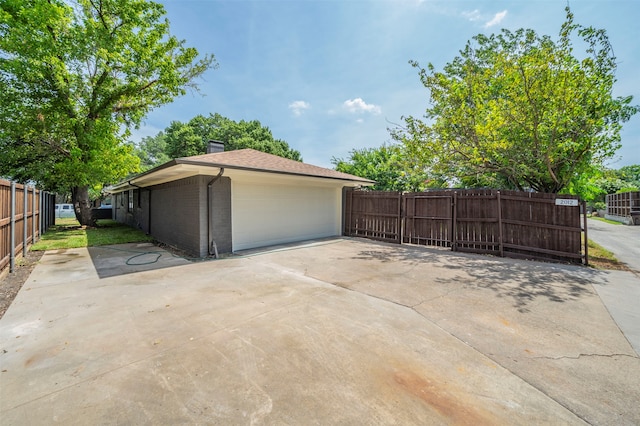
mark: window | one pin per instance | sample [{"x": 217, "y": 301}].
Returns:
[{"x": 130, "y": 197}]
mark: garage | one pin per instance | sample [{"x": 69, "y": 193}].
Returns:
[
  {"x": 281, "y": 209},
  {"x": 226, "y": 201}
]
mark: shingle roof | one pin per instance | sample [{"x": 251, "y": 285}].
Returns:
[
  {"x": 250, "y": 159},
  {"x": 242, "y": 159}
]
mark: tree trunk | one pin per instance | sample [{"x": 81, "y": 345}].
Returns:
[{"x": 82, "y": 205}]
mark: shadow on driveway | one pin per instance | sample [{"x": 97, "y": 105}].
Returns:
[
  {"x": 347, "y": 331},
  {"x": 533, "y": 280}
]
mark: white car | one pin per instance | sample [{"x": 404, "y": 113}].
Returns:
[{"x": 65, "y": 210}]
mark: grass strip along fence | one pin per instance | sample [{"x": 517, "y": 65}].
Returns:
[{"x": 67, "y": 233}]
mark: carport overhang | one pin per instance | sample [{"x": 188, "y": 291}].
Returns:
[{"x": 182, "y": 168}]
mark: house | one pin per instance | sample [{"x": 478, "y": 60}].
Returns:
[{"x": 228, "y": 201}]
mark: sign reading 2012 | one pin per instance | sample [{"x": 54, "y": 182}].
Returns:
[{"x": 566, "y": 202}]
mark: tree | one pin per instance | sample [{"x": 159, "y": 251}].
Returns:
[
  {"x": 388, "y": 166},
  {"x": 518, "y": 110},
  {"x": 151, "y": 151},
  {"x": 74, "y": 76},
  {"x": 594, "y": 187},
  {"x": 186, "y": 139},
  {"x": 614, "y": 181},
  {"x": 631, "y": 176}
]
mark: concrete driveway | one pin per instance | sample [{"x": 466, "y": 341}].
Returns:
[
  {"x": 622, "y": 240},
  {"x": 342, "y": 331},
  {"x": 621, "y": 294}
]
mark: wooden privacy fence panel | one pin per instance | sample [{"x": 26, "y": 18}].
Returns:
[
  {"x": 624, "y": 206},
  {"x": 532, "y": 225},
  {"x": 502, "y": 223},
  {"x": 375, "y": 214},
  {"x": 477, "y": 222},
  {"x": 427, "y": 219},
  {"x": 25, "y": 213}
]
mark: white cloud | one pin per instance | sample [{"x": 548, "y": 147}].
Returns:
[
  {"x": 473, "y": 15},
  {"x": 298, "y": 107},
  {"x": 357, "y": 105},
  {"x": 497, "y": 18}
]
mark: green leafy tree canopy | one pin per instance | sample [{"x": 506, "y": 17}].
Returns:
[
  {"x": 191, "y": 138},
  {"x": 518, "y": 110},
  {"x": 151, "y": 151},
  {"x": 389, "y": 166},
  {"x": 74, "y": 76}
]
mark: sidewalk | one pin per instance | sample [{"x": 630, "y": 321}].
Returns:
[
  {"x": 620, "y": 290},
  {"x": 621, "y": 240}
]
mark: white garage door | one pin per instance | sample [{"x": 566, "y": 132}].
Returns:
[{"x": 273, "y": 213}]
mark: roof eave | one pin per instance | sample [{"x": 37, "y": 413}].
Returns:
[
  {"x": 131, "y": 182},
  {"x": 360, "y": 181},
  {"x": 145, "y": 179}
]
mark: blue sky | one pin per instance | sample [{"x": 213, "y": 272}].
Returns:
[{"x": 329, "y": 76}]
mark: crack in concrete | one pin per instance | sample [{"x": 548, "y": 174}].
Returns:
[
  {"x": 454, "y": 290},
  {"x": 585, "y": 355},
  {"x": 492, "y": 357}
]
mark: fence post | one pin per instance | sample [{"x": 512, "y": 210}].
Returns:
[
  {"x": 45, "y": 211},
  {"x": 25, "y": 234},
  {"x": 12, "y": 229},
  {"x": 586, "y": 239},
  {"x": 500, "y": 224},
  {"x": 40, "y": 210},
  {"x": 454, "y": 225},
  {"x": 405, "y": 213},
  {"x": 33, "y": 216},
  {"x": 399, "y": 229},
  {"x": 50, "y": 219}
]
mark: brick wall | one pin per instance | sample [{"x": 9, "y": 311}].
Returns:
[
  {"x": 175, "y": 213},
  {"x": 221, "y": 214},
  {"x": 176, "y": 217},
  {"x": 136, "y": 216}
]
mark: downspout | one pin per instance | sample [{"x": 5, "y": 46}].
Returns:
[{"x": 211, "y": 244}]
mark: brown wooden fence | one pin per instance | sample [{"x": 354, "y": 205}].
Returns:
[
  {"x": 502, "y": 223},
  {"x": 374, "y": 214},
  {"x": 624, "y": 207},
  {"x": 25, "y": 213}
]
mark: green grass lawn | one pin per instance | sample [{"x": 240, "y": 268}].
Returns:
[
  {"x": 67, "y": 233},
  {"x": 602, "y": 219},
  {"x": 601, "y": 258}
]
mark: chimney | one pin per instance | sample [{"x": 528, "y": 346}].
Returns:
[{"x": 215, "y": 146}]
